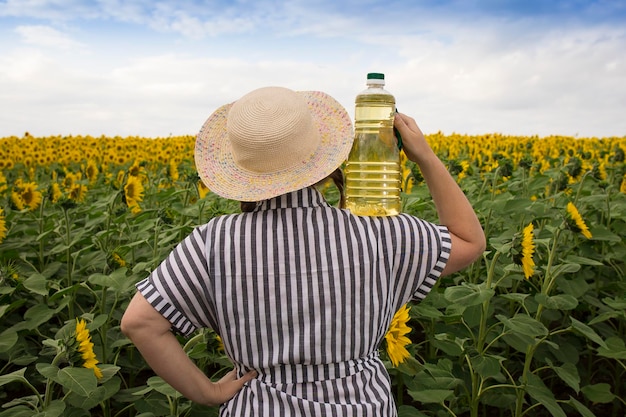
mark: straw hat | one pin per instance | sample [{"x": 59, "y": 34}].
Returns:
[{"x": 272, "y": 141}]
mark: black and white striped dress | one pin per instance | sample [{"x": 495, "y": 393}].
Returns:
[{"x": 303, "y": 293}]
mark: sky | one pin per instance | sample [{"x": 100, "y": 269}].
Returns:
[{"x": 157, "y": 68}]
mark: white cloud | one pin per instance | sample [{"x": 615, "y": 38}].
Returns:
[
  {"x": 472, "y": 76},
  {"x": 46, "y": 36}
]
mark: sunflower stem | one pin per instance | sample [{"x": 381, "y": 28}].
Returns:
[
  {"x": 47, "y": 397},
  {"x": 68, "y": 255}
]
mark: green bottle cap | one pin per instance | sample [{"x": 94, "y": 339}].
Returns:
[{"x": 375, "y": 76}]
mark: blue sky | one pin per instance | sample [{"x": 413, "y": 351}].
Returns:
[{"x": 159, "y": 68}]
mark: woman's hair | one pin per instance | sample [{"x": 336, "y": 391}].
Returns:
[{"x": 336, "y": 176}]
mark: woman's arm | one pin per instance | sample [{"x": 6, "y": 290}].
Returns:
[
  {"x": 150, "y": 332},
  {"x": 453, "y": 208}
]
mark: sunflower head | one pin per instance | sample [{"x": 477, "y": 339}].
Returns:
[
  {"x": 172, "y": 170},
  {"x": 3, "y": 182},
  {"x": 528, "y": 249},
  {"x": 396, "y": 338},
  {"x": 133, "y": 193},
  {"x": 26, "y": 195},
  {"x": 55, "y": 193},
  {"x": 203, "y": 190},
  {"x": 77, "y": 192},
  {"x": 80, "y": 349},
  {"x": 575, "y": 221},
  {"x": 92, "y": 171},
  {"x": 118, "y": 259},
  {"x": 3, "y": 225}
]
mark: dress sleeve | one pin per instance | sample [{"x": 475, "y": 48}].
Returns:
[
  {"x": 420, "y": 251},
  {"x": 178, "y": 287}
]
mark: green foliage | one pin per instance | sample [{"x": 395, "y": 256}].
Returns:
[{"x": 486, "y": 341}]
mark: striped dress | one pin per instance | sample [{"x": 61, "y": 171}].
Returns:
[{"x": 303, "y": 293}]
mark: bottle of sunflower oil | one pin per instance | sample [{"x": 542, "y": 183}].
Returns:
[{"x": 373, "y": 174}]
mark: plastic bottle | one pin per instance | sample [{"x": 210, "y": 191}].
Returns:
[{"x": 373, "y": 174}]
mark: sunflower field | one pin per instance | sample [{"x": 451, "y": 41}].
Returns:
[{"x": 536, "y": 327}]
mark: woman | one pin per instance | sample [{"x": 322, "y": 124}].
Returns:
[{"x": 301, "y": 293}]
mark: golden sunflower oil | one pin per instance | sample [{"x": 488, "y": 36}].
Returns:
[{"x": 373, "y": 174}]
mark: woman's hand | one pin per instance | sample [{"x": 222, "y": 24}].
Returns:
[
  {"x": 227, "y": 387},
  {"x": 151, "y": 334},
  {"x": 413, "y": 141}
]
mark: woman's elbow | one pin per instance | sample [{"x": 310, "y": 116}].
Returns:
[
  {"x": 463, "y": 253},
  {"x": 128, "y": 325}
]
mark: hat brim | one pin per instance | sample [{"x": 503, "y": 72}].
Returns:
[{"x": 219, "y": 172}]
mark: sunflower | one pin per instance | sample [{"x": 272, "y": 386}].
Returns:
[
  {"x": 220, "y": 343},
  {"x": 576, "y": 222},
  {"x": 203, "y": 190},
  {"x": 528, "y": 248},
  {"x": 16, "y": 200},
  {"x": 77, "y": 192},
  {"x": 3, "y": 225},
  {"x": 173, "y": 171},
  {"x": 3, "y": 182},
  {"x": 26, "y": 195},
  {"x": 119, "y": 179},
  {"x": 133, "y": 193},
  {"x": 396, "y": 336},
  {"x": 55, "y": 192},
  {"x": 118, "y": 259},
  {"x": 85, "y": 348},
  {"x": 70, "y": 179},
  {"x": 136, "y": 170},
  {"x": 92, "y": 171},
  {"x": 407, "y": 176}
]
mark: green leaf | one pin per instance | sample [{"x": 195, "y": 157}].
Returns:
[
  {"x": 598, "y": 393},
  {"x": 447, "y": 343},
  {"x": 410, "y": 366},
  {"x": 17, "y": 411},
  {"x": 37, "y": 284},
  {"x": 159, "y": 385},
  {"x": 486, "y": 366},
  {"x": 422, "y": 310},
  {"x": 569, "y": 374},
  {"x": 117, "y": 280},
  {"x": 517, "y": 297},
  {"x": 582, "y": 260},
  {"x": 409, "y": 411},
  {"x": 542, "y": 394},
  {"x": 54, "y": 409},
  {"x": 518, "y": 341},
  {"x": 35, "y": 317},
  {"x": 431, "y": 395},
  {"x": 614, "y": 348},
  {"x": 557, "y": 302},
  {"x": 566, "y": 268},
  {"x": 8, "y": 338},
  {"x": 13, "y": 377},
  {"x": 599, "y": 232},
  {"x": 468, "y": 294},
  {"x": 615, "y": 303},
  {"x": 94, "y": 398},
  {"x": 100, "y": 394},
  {"x": 48, "y": 370},
  {"x": 609, "y": 315},
  {"x": 587, "y": 331},
  {"x": 81, "y": 381},
  {"x": 524, "y": 324},
  {"x": 578, "y": 406},
  {"x": 576, "y": 287},
  {"x": 108, "y": 372}
]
